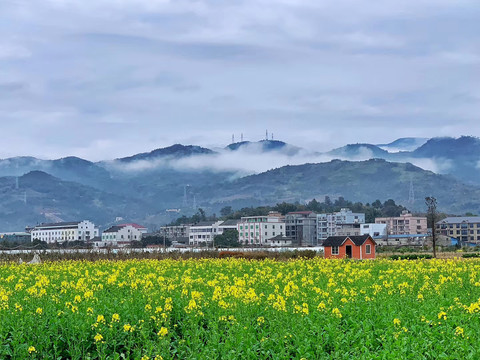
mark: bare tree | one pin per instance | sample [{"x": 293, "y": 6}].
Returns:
[{"x": 431, "y": 203}]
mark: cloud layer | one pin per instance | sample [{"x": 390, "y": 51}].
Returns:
[{"x": 107, "y": 78}]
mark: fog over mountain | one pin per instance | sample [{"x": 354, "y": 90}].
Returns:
[{"x": 142, "y": 186}]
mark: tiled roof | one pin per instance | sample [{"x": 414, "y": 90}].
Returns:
[
  {"x": 339, "y": 240},
  {"x": 59, "y": 224},
  {"x": 114, "y": 229},
  {"x": 230, "y": 222},
  {"x": 460, "y": 219},
  {"x": 136, "y": 226}
]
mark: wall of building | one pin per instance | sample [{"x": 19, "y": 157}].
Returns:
[
  {"x": 404, "y": 224},
  {"x": 332, "y": 224},
  {"x": 373, "y": 229},
  {"x": 84, "y": 231},
  {"x": 122, "y": 237},
  {"x": 358, "y": 252},
  {"x": 257, "y": 230}
]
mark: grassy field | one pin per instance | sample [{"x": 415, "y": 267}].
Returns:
[{"x": 236, "y": 308}]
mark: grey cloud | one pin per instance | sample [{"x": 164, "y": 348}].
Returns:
[{"x": 317, "y": 73}]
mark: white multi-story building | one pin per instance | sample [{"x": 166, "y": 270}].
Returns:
[
  {"x": 121, "y": 235},
  {"x": 65, "y": 231},
  {"x": 335, "y": 223},
  {"x": 256, "y": 230},
  {"x": 203, "y": 232}
]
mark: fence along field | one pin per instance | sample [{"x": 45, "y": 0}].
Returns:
[{"x": 237, "y": 308}]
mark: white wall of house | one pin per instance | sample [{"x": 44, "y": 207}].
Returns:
[
  {"x": 256, "y": 230},
  {"x": 204, "y": 234},
  {"x": 120, "y": 238},
  {"x": 60, "y": 232}
]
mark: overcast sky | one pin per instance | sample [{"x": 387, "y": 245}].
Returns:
[{"x": 107, "y": 78}]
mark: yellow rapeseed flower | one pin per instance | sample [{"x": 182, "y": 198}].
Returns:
[
  {"x": 31, "y": 349},
  {"x": 163, "y": 332},
  {"x": 336, "y": 312},
  {"x": 98, "y": 337}
]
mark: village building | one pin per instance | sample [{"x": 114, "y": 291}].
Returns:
[
  {"x": 65, "y": 231},
  {"x": 279, "y": 241},
  {"x": 350, "y": 247},
  {"x": 405, "y": 224},
  {"x": 120, "y": 235},
  {"x": 257, "y": 230}
]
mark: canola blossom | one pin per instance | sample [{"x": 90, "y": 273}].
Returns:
[{"x": 235, "y": 308}]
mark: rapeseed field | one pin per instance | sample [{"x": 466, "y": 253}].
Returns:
[{"x": 241, "y": 309}]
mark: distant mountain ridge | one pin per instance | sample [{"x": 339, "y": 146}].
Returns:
[
  {"x": 177, "y": 150},
  {"x": 180, "y": 176},
  {"x": 360, "y": 180},
  {"x": 403, "y": 144},
  {"x": 265, "y": 146}
]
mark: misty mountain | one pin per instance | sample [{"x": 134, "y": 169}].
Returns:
[
  {"x": 143, "y": 186},
  {"x": 41, "y": 197},
  {"x": 362, "y": 181},
  {"x": 465, "y": 147},
  {"x": 265, "y": 146},
  {"x": 174, "y": 151},
  {"x": 459, "y": 157},
  {"x": 68, "y": 168},
  {"x": 355, "y": 151},
  {"x": 403, "y": 144}
]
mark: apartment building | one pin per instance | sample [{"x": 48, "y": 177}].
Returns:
[
  {"x": 463, "y": 228},
  {"x": 65, "y": 231},
  {"x": 341, "y": 223},
  {"x": 301, "y": 227},
  {"x": 257, "y": 230},
  {"x": 404, "y": 224}
]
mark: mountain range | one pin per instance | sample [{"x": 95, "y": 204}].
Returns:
[{"x": 144, "y": 186}]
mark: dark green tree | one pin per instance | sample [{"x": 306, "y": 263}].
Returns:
[{"x": 228, "y": 239}]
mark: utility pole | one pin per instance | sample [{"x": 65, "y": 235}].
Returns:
[{"x": 431, "y": 203}]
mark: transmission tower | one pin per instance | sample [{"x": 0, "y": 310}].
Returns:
[
  {"x": 411, "y": 193},
  {"x": 185, "y": 195}
]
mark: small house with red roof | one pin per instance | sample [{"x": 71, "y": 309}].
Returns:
[{"x": 350, "y": 247}]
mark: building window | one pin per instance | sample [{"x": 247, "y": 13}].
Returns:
[
  {"x": 334, "y": 250},
  {"x": 368, "y": 249}
]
